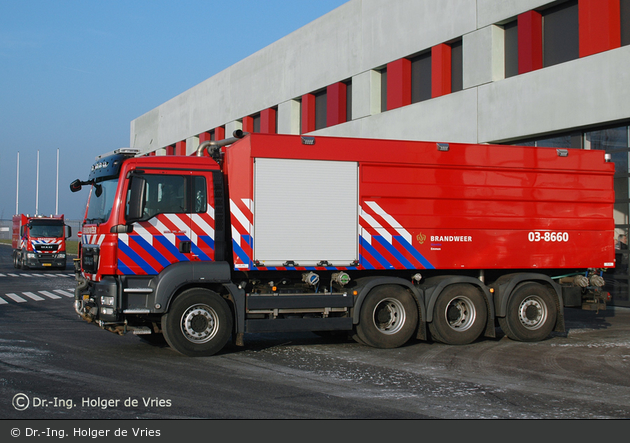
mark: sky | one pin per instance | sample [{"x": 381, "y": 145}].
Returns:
[{"x": 74, "y": 74}]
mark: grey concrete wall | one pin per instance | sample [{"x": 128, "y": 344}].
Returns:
[{"x": 358, "y": 38}]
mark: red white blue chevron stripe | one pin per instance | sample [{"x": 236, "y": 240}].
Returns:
[
  {"x": 155, "y": 244},
  {"x": 44, "y": 241},
  {"x": 383, "y": 244}
]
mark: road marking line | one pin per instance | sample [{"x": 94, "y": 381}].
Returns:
[
  {"x": 3, "y": 301},
  {"x": 49, "y": 295},
  {"x": 25, "y": 275},
  {"x": 14, "y": 275},
  {"x": 33, "y": 296},
  {"x": 38, "y": 275},
  {"x": 2, "y": 275},
  {"x": 63, "y": 275},
  {"x": 62, "y": 292},
  {"x": 15, "y": 297}
]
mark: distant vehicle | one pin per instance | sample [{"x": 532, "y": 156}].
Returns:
[
  {"x": 39, "y": 242},
  {"x": 384, "y": 240}
]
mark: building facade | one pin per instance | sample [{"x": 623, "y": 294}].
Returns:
[{"x": 535, "y": 72}]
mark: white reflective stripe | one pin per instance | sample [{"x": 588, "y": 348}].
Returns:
[
  {"x": 236, "y": 236},
  {"x": 242, "y": 219},
  {"x": 143, "y": 232},
  {"x": 49, "y": 295},
  {"x": 205, "y": 227},
  {"x": 389, "y": 219},
  {"x": 374, "y": 224},
  {"x": 62, "y": 292},
  {"x": 15, "y": 297},
  {"x": 33, "y": 296}
]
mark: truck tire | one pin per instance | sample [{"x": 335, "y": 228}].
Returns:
[
  {"x": 16, "y": 263},
  {"x": 388, "y": 318},
  {"x": 531, "y": 313},
  {"x": 459, "y": 315},
  {"x": 198, "y": 324}
]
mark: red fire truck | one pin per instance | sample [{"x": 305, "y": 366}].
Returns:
[
  {"x": 39, "y": 242},
  {"x": 385, "y": 240}
]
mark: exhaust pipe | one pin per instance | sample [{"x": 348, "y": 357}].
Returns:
[{"x": 212, "y": 146}]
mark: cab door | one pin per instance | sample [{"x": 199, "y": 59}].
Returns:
[{"x": 176, "y": 223}]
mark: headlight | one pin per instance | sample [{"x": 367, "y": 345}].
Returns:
[
  {"x": 61, "y": 255},
  {"x": 107, "y": 311},
  {"x": 107, "y": 301},
  {"x": 30, "y": 255}
]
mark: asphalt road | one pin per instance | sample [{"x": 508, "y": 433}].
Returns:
[{"x": 53, "y": 365}]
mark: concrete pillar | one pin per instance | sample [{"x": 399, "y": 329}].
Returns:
[
  {"x": 366, "y": 94},
  {"x": 483, "y": 56},
  {"x": 192, "y": 143},
  {"x": 230, "y": 128},
  {"x": 289, "y": 117}
]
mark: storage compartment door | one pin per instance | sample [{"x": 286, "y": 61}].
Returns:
[{"x": 306, "y": 212}]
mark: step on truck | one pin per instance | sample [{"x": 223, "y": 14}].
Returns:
[
  {"x": 382, "y": 240},
  {"x": 39, "y": 242}
]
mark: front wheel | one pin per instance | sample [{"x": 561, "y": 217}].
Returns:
[
  {"x": 388, "y": 319},
  {"x": 459, "y": 316},
  {"x": 531, "y": 313},
  {"x": 198, "y": 324}
]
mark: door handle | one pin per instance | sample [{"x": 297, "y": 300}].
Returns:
[{"x": 185, "y": 246}]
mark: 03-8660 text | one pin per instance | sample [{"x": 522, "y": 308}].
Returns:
[{"x": 548, "y": 236}]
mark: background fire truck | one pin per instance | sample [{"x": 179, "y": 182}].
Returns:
[{"x": 39, "y": 242}]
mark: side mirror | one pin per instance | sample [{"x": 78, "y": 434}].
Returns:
[
  {"x": 136, "y": 198},
  {"x": 75, "y": 185},
  {"x": 68, "y": 231}
]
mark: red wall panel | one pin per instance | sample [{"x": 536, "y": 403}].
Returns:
[{"x": 600, "y": 26}]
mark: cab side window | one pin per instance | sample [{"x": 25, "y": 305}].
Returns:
[{"x": 173, "y": 194}]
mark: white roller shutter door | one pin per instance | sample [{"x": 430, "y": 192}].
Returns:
[{"x": 305, "y": 211}]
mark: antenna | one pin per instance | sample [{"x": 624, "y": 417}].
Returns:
[
  {"x": 57, "y": 194},
  {"x": 37, "y": 187},
  {"x": 17, "y": 187}
]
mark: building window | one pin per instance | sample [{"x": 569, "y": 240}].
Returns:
[
  {"x": 561, "y": 37},
  {"x": 625, "y": 22},
  {"x": 511, "y": 48},
  {"x": 383, "y": 73},
  {"x": 421, "y": 77},
  {"x": 321, "y": 102},
  {"x": 256, "y": 122},
  {"x": 457, "y": 73}
]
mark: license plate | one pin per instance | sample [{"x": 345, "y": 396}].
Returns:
[{"x": 47, "y": 264}]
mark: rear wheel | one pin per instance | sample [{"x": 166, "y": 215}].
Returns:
[
  {"x": 531, "y": 313},
  {"x": 388, "y": 319},
  {"x": 459, "y": 315},
  {"x": 198, "y": 324}
]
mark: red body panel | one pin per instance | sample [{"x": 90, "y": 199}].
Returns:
[{"x": 471, "y": 206}]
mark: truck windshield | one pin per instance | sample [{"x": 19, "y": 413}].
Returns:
[
  {"x": 46, "y": 229},
  {"x": 101, "y": 201}
]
